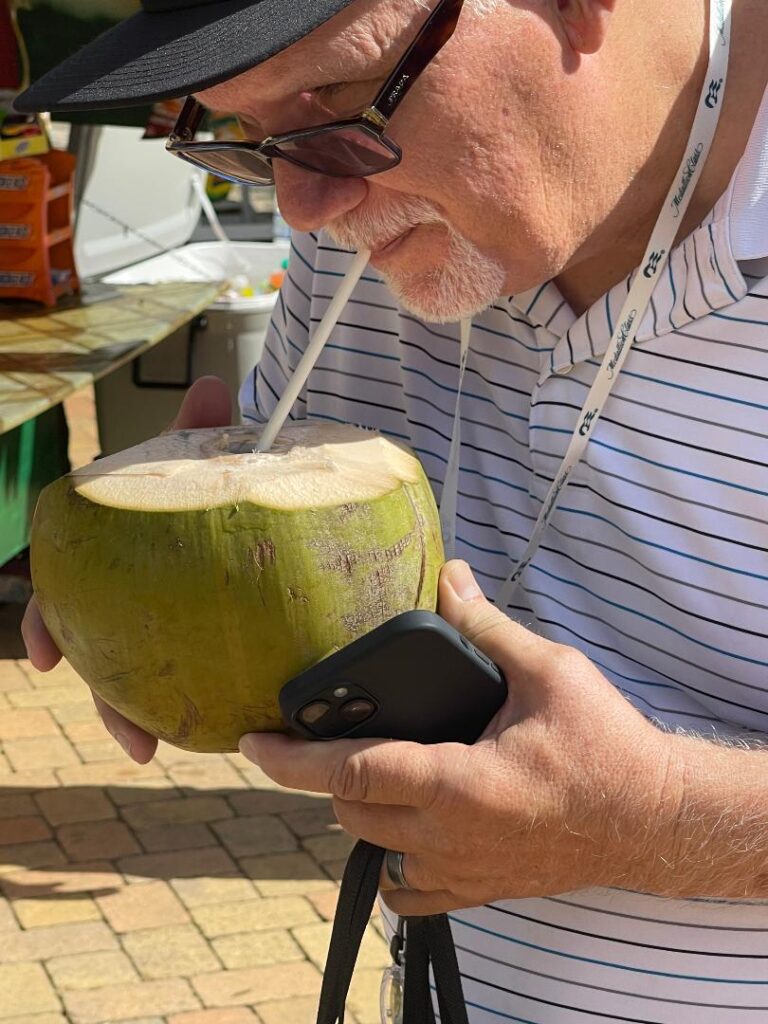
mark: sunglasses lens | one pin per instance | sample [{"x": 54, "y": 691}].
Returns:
[
  {"x": 344, "y": 152},
  {"x": 238, "y": 165}
]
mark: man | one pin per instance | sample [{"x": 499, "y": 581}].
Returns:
[{"x": 603, "y": 850}]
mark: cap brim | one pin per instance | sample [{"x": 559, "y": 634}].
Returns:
[{"x": 158, "y": 56}]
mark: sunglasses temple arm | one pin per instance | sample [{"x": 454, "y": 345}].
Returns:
[{"x": 434, "y": 34}]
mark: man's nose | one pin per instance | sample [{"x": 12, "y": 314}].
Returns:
[{"x": 308, "y": 201}]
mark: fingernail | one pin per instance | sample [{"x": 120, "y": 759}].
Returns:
[
  {"x": 248, "y": 746},
  {"x": 463, "y": 582},
  {"x": 124, "y": 742}
]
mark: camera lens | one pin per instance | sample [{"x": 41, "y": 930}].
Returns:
[
  {"x": 357, "y": 710},
  {"x": 313, "y": 712}
]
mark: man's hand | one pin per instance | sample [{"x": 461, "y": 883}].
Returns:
[
  {"x": 206, "y": 404},
  {"x": 569, "y": 786}
]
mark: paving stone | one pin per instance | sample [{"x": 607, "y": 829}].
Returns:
[
  {"x": 187, "y": 836},
  {"x": 235, "y": 1015},
  {"x": 169, "y": 755},
  {"x": 257, "y": 984},
  {"x": 23, "y": 830},
  {"x": 254, "y": 949},
  {"x": 286, "y": 874},
  {"x": 61, "y": 675},
  {"x": 16, "y": 805},
  {"x": 335, "y": 869},
  {"x": 55, "y": 910},
  {"x": 253, "y": 915},
  {"x": 42, "y": 752},
  {"x": 8, "y": 922},
  {"x": 272, "y": 801},
  {"x": 97, "y": 840},
  {"x": 325, "y": 902},
  {"x": 311, "y": 821},
  {"x": 147, "y": 790},
  {"x": 97, "y": 751},
  {"x": 82, "y": 711},
  {"x": 37, "y": 1018},
  {"x": 60, "y": 940},
  {"x": 315, "y": 938},
  {"x": 205, "y": 774},
  {"x": 50, "y": 696},
  {"x": 181, "y": 811},
  {"x": 74, "y": 804},
  {"x": 363, "y": 999},
  {"x": 12, "y": 677},
  {"x": 96, "y": 878},
  {"x": 30, "y": 855},
  {"x": 202, "y": 892},
  {"x": 129, "y": 1001},
  {"x": 27, "y": 723},
  {"x": 145, "y": 1020},
  {"x": 292, "y": 1011},
  {"x": 25, "y": 989},
  {"x": 181, "y": 864},
  {"x": 85, "y": 730},
  {"x": 256, "y": 777},
  {"x": 137, "y": 907},
  {"x": 330, "y": 847},
  {"x": 170, "y": 951},
  {"x": 110, "y": 774},
  {"x": 90, "y": 970},
  {"x": 5, "y": 766},
  {"x": 263, "y": 833},
  {"x": 28, "y": 781}
]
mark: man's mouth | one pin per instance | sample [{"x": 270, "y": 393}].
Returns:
[{"x": 387, "y": 248}]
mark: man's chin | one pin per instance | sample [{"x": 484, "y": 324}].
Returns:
[{"x": 444, "y": 298}]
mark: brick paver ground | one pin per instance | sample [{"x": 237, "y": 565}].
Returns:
[{"x": 187, "y": 891}]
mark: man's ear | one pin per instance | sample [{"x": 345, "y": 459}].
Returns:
[{"x": 585, "y": 22}]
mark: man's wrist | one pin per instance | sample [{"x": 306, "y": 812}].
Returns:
[{"x": 708, "y": 834}]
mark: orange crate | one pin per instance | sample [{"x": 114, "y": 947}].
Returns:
[{"x": 35, "y": 217}]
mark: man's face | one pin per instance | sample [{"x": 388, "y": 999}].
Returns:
[{"x": 482, "y": 203}]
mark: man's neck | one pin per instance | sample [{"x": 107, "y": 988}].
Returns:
[{"x": 588, "y": 278}]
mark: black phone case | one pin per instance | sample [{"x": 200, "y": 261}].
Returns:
[{"x": 426, "y": 683}]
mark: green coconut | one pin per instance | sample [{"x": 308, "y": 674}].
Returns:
[{"x": 186, "y": 579}]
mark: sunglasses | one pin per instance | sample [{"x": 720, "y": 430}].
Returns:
[{"x": 355, "y": 147}]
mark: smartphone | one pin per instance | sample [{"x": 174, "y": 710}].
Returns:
[{"x": 412, "y": 678}]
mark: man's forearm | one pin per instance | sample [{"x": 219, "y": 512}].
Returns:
[{"x": 713, "y": 836}]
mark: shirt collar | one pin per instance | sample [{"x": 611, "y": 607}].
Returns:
[{"x": 701, "y": 277}]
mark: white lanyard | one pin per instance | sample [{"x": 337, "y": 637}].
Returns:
[{"x": 632, "y": 313}]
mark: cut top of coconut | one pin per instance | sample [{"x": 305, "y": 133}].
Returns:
[{"x": 310, "y": 465}]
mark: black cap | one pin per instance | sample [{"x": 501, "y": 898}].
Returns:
[{"x": 174, "y": 47}]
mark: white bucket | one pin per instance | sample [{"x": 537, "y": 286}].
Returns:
[{"x": 140, "y": 399}]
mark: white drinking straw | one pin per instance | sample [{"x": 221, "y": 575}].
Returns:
[{"x": 315, "y": 347}]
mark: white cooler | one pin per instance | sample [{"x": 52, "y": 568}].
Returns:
[{"x": 140, "y": 399}]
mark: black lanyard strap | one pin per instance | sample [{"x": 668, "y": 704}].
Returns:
[{"x": 427, "y": 940}]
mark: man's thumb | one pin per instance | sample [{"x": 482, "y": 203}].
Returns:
[
  {"x": 206, "y": 404},
  {"x": 464, "y": 606}
]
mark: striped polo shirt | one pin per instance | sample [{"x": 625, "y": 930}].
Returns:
[{"x": 655, "y": 564}]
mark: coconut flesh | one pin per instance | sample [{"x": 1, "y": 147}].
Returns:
[{"x": 187, "y": 578}]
